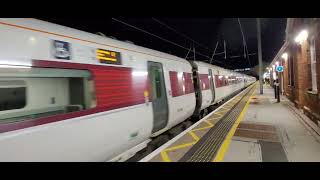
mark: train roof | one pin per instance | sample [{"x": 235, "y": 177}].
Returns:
[
  {"x": 71, "y": 33},
  {"x": 41, "y": 26}
]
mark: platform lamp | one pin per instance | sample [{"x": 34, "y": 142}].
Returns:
[
  {"x": 301, "y": 37},
  {"x": 274, "y": 77}
]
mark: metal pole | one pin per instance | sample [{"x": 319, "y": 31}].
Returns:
[
  {"x": 275, "y": 87},
  {"x": 194, "y": 52},
  {"x": 278, "y": 86},
  {"x": 275, "y": 90},
  {"x": 188, "y": 53},
  {"x": 260, "y": 55},
  {"x": 281, "y": 80},
  {"x": 225, "y": 50},
  {"x": 214, "y": 52}
]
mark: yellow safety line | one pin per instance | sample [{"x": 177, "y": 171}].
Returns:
[
  {"x": 202, "y": 128},
  {"x": 210, "y": 124},
  {"x": 217, "y": 113},
  {"x": 165, "y": 156},
  {"x": 213, "y": 118},
  {"x": 180, "y": 146},
  {"x": 225, "y": 145},
  {"x": 221, "y": 110},
  {"x": 225, "y": 108},
  {"x": 228, "y": 106},
  {"x": 195, "y": 137},
  {"x": 213, "y": 121}
]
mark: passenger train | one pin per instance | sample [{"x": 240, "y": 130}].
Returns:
[{"x": 69, "y": 95}]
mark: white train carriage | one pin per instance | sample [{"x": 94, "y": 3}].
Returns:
[
  {"x": 214, "y": 84},
  {"x": 68, "y": 95}
]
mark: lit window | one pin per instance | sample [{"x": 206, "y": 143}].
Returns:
[
  {"x": 13, "y": 95},
  {"x": 41, "y": 92}
]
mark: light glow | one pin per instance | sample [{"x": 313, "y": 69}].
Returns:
[
  {"x": 10, "y": 66},
  {"x": 15, "y": 63},
  {"x": 274, "y": 75},
  {"x": 32, "y": 40},
  {"x": 139, "y": 73},
  {"x": 302, "y": 36},
  {"x": 285, "y": 56}
]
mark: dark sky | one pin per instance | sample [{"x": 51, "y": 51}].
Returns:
[{"x": 206, "y": 31}]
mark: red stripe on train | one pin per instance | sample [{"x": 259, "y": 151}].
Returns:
[{"x": 131, "y": 93}]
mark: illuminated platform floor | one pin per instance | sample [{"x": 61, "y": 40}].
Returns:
[
  {"x": 274, "y": 132},
  {"x": 248, "y": 128}
]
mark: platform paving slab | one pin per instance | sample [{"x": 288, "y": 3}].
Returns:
[{"x": 295, "y": 143}]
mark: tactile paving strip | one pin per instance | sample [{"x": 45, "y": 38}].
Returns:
[{"x": 207, "y": 147}]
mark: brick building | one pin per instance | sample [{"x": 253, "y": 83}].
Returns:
[{"x": 300, "y": 57}]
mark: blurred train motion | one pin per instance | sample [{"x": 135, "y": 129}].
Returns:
[{"x": 69, "y": 95}]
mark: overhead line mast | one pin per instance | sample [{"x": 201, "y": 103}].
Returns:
[{"x": 144, "y": 31}]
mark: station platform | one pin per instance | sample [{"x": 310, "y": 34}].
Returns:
[{"x": 248, "y": 128}]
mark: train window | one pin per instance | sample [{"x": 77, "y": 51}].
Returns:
[
  {"x": 156, "y": 81},
  {"x": 188, "y": 83},
  {"x": 218, "y": 79},
  {"x": 12, "y": 95},
  {"x": 33, "y": 93},
  {"x": 205, "y": 83}
]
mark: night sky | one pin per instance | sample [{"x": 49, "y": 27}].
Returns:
[{"x": 205, "y": 31}]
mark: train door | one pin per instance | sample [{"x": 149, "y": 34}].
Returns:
[
  {"x": 159, "y": 97},
  {"x": 212, "y": 85}
]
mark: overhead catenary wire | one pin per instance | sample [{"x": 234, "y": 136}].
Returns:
[
  {"x": 185, "y": 36},
  {"x": 166, "y": 40},
  {"x": 243, "y": 39},
  {"x": 252, "y": 54},
  {"x": 245, "y": 50},
  {"x": 225, "y": 50},
  {"x": 181, "y": 34},
  {"x": 214, "y": 51},
  {"x": 149, "y": 33}
]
